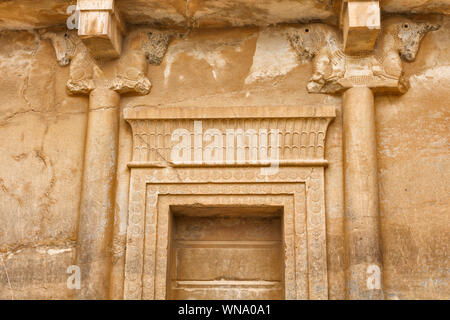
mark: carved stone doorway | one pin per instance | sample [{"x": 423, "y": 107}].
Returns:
[{"x": 167, "y": 197}]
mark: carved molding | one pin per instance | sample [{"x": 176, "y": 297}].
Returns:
[
  {"x": 299, "y": 190},
  {"x": 301, "y": 133},
  {"x": 381, "y": 70},
  {"x": 156, "y": 184}
]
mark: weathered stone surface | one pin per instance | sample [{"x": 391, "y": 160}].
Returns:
[
  {"x": 416, "y": 6},
  {"x": 47, "y": 279},
  {"x": 41, "y": 143},
  {"x": 202, "y": 13},
  {"x": 413, "y": 168},
  {"x": 217, "y": 73}
]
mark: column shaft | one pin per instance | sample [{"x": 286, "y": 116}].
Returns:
[
  {"x": 97, "y": 195},
  {"x": 364, "y": 265}
]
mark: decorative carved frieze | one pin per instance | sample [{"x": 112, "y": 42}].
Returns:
[
  {"x": 382, "y": 70},
  {"x": 233, "y": 136}
]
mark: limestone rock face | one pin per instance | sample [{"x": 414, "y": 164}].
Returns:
[
  {"x": 416, "y": 6},
  {"x": 89, "y": 177},
  {"x": 42, "y": 134},
  {"x": 33, "y": 14}
]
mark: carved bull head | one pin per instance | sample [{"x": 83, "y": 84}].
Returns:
[
  {"x": 156, "y": 45},
  {"x": 409, "y": 35},
  {"x": 308, "y": 39},
  {"x": 64, "y": 43}
]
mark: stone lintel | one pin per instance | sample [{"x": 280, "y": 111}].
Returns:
[
  {"x": 361, "y": 24},
  {"x": 100, "y": 28},
  {"x": 265, "y": 112}
]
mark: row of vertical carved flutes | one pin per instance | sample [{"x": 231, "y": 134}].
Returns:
[{"x": 298, "y": 139}]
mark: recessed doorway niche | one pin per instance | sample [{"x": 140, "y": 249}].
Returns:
[{"x": 225, "y": 253}]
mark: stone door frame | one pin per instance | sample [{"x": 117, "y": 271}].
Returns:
[{"x": 300, "y": 190}]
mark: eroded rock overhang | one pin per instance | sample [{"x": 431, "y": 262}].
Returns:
[{"x": 30, "y": 14}]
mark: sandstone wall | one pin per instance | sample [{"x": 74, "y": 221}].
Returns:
[
  {"x": 41, "y": 147},
  {"x": 42, "y": 133},
  {"x": 413, "y": 165}
]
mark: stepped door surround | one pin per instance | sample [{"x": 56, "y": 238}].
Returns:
[{"x": 294, "y": 187}]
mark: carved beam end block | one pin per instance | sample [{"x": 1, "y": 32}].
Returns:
[
  {"x": 101, "y": 28},
  {"x": 361, "y": 24}
]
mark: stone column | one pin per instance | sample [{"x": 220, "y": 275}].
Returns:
[
  {"x": 354, "y": 68},
  {"x": 95, "y": 229},
  {"x": 361, "y": 195},
  {"x": 96, "y": 208}
]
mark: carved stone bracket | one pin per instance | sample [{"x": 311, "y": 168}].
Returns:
[
  {"x": 86, "y": 75},
  {"x": 142, "y": 48},
  {"x": 100, "y": 28},
  {"x": 382, "y": 71},
  {"x": 360, "y": 21},
  {"x": 131, "y": 76}
]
